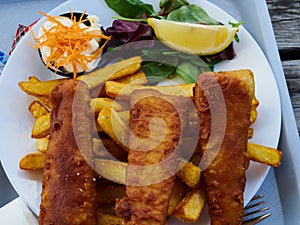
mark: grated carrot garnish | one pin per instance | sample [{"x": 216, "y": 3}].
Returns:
[{"x": 68, "y": 43}]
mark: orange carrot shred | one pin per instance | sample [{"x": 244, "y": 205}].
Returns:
[{"x": 68, "y": 43}]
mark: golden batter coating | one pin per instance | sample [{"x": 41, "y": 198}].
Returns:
[
  {"x": 151, "y": 141},
  {"x": 68, "y": 192},
  {"x": 225, "y": 176}
]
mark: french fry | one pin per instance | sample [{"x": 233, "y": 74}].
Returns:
[
  {"x": 124, "y": 115},
  {"x": 189, "y": 174},
  {"x": 37, "y": 109},
  {"x": 111, "y": 170},
  {"x": 42, "y": 144},
  {"x": 263, "y": 154},
  {"x": 138, "y": 78},
  {"x": 106, "y": 219},
  {"x": 32, "y": 161},
  {"x": 39, "y": 88},
  {"x": 112, "y": 72},
  {"x": 190, "y": 207},
  {"x": 45, "y": 100},
  {"x": 112, "y": 125},
  {"x": 33, "y": 79},
  {"x": 179, "y": 191},
  {"x": 41, "y": 127},
  {"x": 98, "y": 149},
  {"x": 122, "y": 91},
  {"x": 250, "y": 132},
  {"x": 253, "y": 114},
  {"x": 97, "y": 104},
  {"x": 98, "y": 129}
]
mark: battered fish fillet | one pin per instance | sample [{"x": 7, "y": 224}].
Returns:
[
  {"x": 147, "y": 204},
  {"x": 225, "y": 175},
  {"x": 68, "y": 192}
]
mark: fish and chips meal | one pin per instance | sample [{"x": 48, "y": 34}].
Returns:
[
  {"x": 73, "y": 176},
  {"x": 117, "y": 149}
]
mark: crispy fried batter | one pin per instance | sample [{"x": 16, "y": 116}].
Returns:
[
  {"x": 150, "y": 143},
  {"x": 225, "y": 176},
  {"x": 69, "y": 194}
]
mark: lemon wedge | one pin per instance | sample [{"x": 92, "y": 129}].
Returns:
[{"x": 193, "y": 38}]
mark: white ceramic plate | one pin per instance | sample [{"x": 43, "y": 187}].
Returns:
[{"x": 16, "y": 122}]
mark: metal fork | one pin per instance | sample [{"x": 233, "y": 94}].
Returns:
[{"x": 255, "y": 207}]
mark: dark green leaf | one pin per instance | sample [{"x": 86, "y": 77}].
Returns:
[
  {"x": 236, "y": 38},
  {"x": 166, "y": 6},
  {"x": 157, "y": 63},
  {"x": 192, "y": 14},
  {"x": 157, "y": 71},
  {"x": 131, "y": 8},
  {"x": 191, "y": 71},
  {"x": 187, "y": 71}
]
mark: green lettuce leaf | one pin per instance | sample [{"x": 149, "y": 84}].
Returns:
[{"x": 131, "y": 8}]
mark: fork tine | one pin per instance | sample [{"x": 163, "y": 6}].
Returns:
[
  {"x": 256, "y": 219},
  {"x": 256, "y": 211},
  {"x": 254, "y": 203},
  {"x": 256, "y": 197}
]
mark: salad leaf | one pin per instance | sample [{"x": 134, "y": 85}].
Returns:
[
  {"x": 190, "y": 71},
  {"x": 158, "y": 63},
  {"x": 227, "y": 54},
  {"x": 131, "y": 8},
  {"x": 124, "y": 32},
  {"x": 167, "y": 6},
  {"x": 157, "y": 71},
  {"x": 236, "y": 37},
  {"x": 191, "y": 14}
]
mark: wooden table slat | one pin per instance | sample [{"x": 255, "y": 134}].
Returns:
[
  {"x": 292, "y": 75},
  {"x": 285, "y": 16}
]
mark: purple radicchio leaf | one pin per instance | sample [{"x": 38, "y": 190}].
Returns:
[
  {"x": 124, "y": 32},
  {"x": 227, "y": 54}
]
